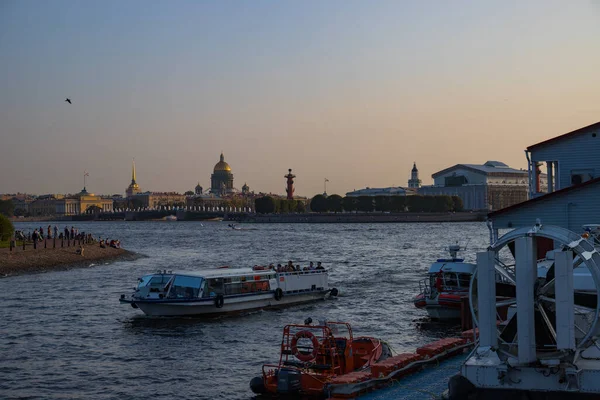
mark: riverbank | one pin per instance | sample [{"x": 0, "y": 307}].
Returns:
[
  {"x": 310, "y": 217},
  {"x": 30, "y": 261},
  {"x": 374, "y": 217}
]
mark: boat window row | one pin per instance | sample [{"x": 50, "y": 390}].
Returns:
[
  {"x": 453, "y": 280},
  {"x": 154, "y": 282},
  {"x": 185, "y": 287}
]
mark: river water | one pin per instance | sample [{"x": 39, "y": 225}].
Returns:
[{"x": 64, "y": 334}]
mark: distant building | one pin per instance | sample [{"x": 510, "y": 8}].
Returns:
[
  {"x": 20, "y": 202},
  {"x": 389, "y": 191},
  {"x": 160, "y": 199},
  {"x": 490, "y": 186},
  {"x": 133, "y": 187},
  {"x": 414, "y": 182},
  {"x": 198, "y": 189},
  {"x": 221, "y": 180},
  {"x": 80, "y": 203}
]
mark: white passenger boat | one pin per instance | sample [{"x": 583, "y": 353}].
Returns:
[{"x": 226, "y": 290}]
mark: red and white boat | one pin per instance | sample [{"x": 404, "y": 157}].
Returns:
[{"x": 448, "y": 280}]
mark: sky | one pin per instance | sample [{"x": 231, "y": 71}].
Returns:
[{"x": 351, "y": 91}]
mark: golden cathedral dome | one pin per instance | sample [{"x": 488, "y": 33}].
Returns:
[{"x": 222, "y": 165}]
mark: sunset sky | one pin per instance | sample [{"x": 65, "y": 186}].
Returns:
[{"x": 352, "y": 91}]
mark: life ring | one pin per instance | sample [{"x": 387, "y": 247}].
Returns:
[
  {"x": 278, "y": 294},
  {"x": 219, "y": 301},
  {"x": 305, "y": 356}
]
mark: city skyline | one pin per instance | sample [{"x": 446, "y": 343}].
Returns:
[{"x": 351, "y": 91}]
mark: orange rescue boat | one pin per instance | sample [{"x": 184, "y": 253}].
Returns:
[{"x": 315, "y": 356}]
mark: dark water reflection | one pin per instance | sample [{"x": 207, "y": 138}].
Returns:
[{"x": 64, "y": 334}]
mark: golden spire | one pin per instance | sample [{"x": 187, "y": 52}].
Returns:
[{"x": 133, "y": 171}]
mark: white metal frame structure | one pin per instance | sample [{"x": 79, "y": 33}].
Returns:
[{"x": 563, "y": 355}]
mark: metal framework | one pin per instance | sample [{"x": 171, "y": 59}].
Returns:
[{"x": 548, "y": 326}]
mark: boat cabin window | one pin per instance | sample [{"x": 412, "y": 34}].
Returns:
[
  {"x": 154, "y": 281},
  {"x": 185, "y": 287},
  {"x": 215, "y": 287},
  {"x": 450, "y": 279},
  {"x": 464, "y": 280},
  {"x": 252, "y": 284}
]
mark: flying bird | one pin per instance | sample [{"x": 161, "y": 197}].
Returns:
[{"x": 68, "y": 100}]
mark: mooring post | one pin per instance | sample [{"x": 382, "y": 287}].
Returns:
[
  {"x": 68, "y": 242},
  {"x": 45, "y": 241},
  {"x": 23, "y": 244},
  {"x": 54, "y": 245},
  {"x": 11, "y": 244}
]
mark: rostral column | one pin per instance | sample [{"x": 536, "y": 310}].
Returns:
[{"x": 290, "y": 184}]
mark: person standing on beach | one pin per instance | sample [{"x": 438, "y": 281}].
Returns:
[
  {"x": 66, "y": 233},
  {"x": 49, "y": 232},
  {"x": 72, "y": 233},
  {"x": 55, "y": 231}
]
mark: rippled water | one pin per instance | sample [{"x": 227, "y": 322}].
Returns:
[{"x": 64, "y": 334}]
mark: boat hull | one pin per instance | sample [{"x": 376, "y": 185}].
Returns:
[
  {"x": 231, "y": 305},
  {"x": 443, "y": 306}
]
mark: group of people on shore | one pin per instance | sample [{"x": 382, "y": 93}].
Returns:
[
  {"x": 290, "y": 267},
  {"x": 53, "y": 233},
  {"x": 115, "y": 244}
]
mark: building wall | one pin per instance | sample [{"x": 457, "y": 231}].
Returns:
[
  {"x": 85, "y": 202},
  {"x": 43, "y": 207},
  {"x": 578, "y": 152},
  {"x": 390, "y": 191},
  {"x": 501, "y": 196},
  {"x": 160, "y": 199},
  {"x": 221, "y": 177},
  {"x": 570, "y": 210},
  {"x": 474, "y": 178},
  {"x": 474, "y": 197}
]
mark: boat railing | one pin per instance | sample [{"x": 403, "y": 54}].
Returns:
[
  {"x": 320, "y": 271},
  {"x": 424, "y": 287}
]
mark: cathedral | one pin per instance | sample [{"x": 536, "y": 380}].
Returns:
[{"x": 221, "y": 180}]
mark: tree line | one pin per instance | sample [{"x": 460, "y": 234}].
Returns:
[
  {"x": 270, "y": 205},
  {"x": 337, "y": 203}
]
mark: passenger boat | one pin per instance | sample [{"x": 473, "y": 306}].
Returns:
[
  {"x": 226, "y": 290},
  {"x": 447, "y": 281},
  {"x": 313, "y": 357}
]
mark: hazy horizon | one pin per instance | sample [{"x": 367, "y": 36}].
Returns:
[{"x": 351, "y": 91}]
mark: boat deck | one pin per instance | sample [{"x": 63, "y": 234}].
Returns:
[{"x": 429, "y": 383}]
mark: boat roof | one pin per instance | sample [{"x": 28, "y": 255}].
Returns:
[
  {"x": 456, "y": 265},
  {"x": 219, "y": 272}
]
